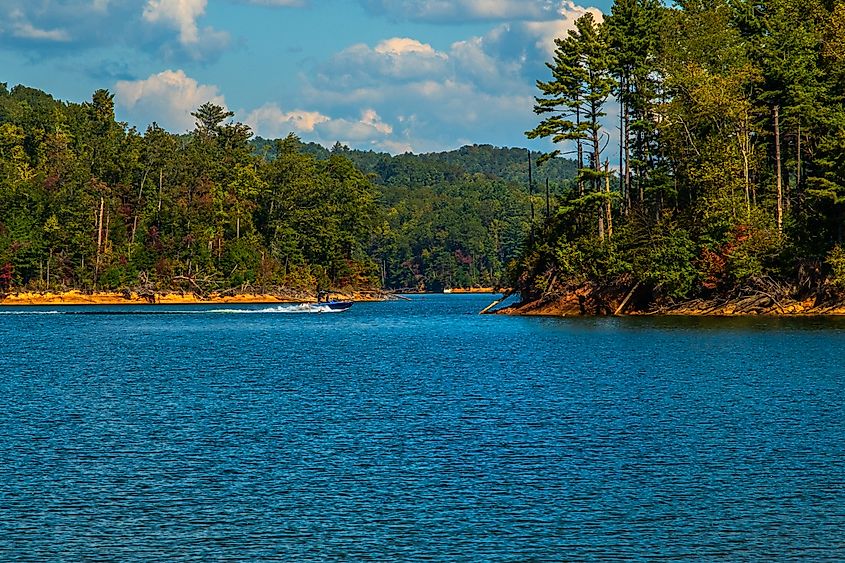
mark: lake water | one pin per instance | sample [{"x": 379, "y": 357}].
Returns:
[{"x": 414, "y": 430}]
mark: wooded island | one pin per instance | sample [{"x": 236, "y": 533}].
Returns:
[{"x": 727, "y": 121}]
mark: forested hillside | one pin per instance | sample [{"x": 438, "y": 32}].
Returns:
[
  {"x": 89, "y": 203},
  {"x": 510, "y": 164},
  {"x": 457, "y": 218},
  {"x": 732, "y": 175}
]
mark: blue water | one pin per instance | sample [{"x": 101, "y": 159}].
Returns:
[{"x": 418, "y": 430}]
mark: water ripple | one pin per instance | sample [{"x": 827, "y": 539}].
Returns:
[{"x": 419, "y": 431}]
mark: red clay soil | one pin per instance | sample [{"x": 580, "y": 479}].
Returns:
[{"x": 587, "y": 299}]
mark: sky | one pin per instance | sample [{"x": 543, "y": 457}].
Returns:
[{"x": 386, "y": 75}]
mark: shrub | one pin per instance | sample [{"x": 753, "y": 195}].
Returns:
[
  {"x": 667, "y": 263},
  {"x": 836, "y": 260}
]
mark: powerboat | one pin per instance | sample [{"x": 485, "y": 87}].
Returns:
[
  {"x": 325, "y": 303},
  {"x": 336, "y": 306}
]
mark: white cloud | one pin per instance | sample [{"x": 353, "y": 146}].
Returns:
[
  {"x": 398, "y": 46},
  {"x": 481, "y": 88},
  {"x": 286, "y": 3},
  {"x": 168, "y": 97},
  {"x": 395, "y": 147},
  {"x": 182, "y": 14},
  {"x": 474, "y": 64},
  {"x": 166, "y": 29},
  {"x": 396, "y": 59},
  {"x": 22, "y": 28},
  {"x": 270, "y": 121},
  {"x": 369, "y": 127},
  {"x": 398, "y": 94},
  {"x": 451, "y": 11},
  {"x": 547, "y": 31},
  {"x": 370, "y": 118},
  {"x": 25, "y": 30}
]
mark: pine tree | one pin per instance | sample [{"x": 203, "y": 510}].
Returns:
[{"x": 580, "y": 86}]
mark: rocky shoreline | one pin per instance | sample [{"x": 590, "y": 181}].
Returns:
[{"x": 591, "y": 300}]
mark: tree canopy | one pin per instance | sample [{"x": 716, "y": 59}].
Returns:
[
  {"x": 730, "y": 136},
  {"x": 90, "y": 203}
]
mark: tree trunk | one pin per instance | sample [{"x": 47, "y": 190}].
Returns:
[
  {"x": 622, "y": 142},
  {"x": 798, "y": 160},
  {"x": 778, "y": 170},
  {"x": 106, "y": 234},
  {"x": 132, "y": 240},
  {"x": 580, "y": 151},
  {"x": 640, "y": 186},
  {"x": 601, "y": 223},
  {"x": 548, "y": 208},
  {"x": 625, "y": 168},
  {"x": 99, "y": 241},
  {"x": 595, "y": 163},
  {"x": 607, "y": 206},
  {"x": 135, "y": 219},
  {"x": 531, "y": 199},
  {"x": 100, "y": 228},
  {"x": 160, "y": 188},
  {"x": 141, "y": 188},
  {"x": 744, "y": 139}
]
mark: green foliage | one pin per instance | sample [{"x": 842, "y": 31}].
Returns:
[
  {"x": 604, "y": 261},
  {"x": 714, "y": 192},
  {"x": 87, "y": 202},
  {"x": 748, "y": 257},
  {"x": 668, "y": 261},
  {"x": 836, "y": 261},
  {"x": 415, "y": 170},
  {"x": 118, "y": 276},
  {"x": 568, "y": 259}
]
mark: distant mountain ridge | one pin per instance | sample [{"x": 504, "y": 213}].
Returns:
[{"x": 504, "y": 163}]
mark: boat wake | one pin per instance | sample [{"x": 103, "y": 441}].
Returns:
[
  {"x": 32, "y": 312},
  {"x": 293, "y": 308}
]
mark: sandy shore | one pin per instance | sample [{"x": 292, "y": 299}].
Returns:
[
  {"x": 75, "y": 297},
  {"x": 471, "y": 290}
]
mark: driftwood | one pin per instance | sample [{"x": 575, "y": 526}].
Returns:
[
  {"x": 190, "y": 280},
  {"x": 496, "y": 302},
  {"x": 627, "y": 298}
]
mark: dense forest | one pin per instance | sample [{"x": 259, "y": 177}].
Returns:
[
  {"x": 87, "y": 202},
  {"x": 727, "y": 121},
  {"x": 700, "y": 153},
  {"x": 414, "y": 170}
]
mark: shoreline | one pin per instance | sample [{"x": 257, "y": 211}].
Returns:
[
  {"x": 464, "y": 290},
  {"x": 588, "y": 301},
  {"x": 76, "y": 297},
  {"x": 532, "y": 310}
]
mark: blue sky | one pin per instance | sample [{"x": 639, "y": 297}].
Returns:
[{"x": 386, "y": 75}]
